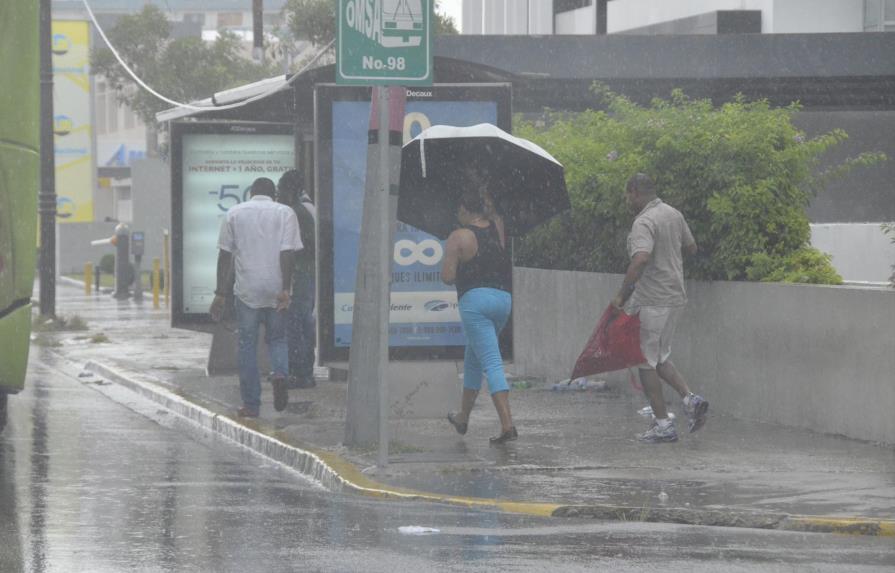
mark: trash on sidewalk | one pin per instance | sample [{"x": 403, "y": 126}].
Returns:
[
  {"x": 417, "y": 530},
  {"x": 582, "y": 383}
]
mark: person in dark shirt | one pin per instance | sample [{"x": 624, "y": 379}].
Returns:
[
  {"x": 301, "y": 326},
  {"x": 477, "y": 261}
]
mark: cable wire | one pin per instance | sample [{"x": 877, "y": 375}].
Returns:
[{"x": 146, "y": 87}]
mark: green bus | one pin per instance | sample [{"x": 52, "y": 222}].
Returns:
[{"x": 19, "y": 181}]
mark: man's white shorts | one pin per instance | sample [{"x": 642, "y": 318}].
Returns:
[{"x": 657, "y": 325}]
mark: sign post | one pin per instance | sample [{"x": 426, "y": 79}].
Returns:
[{"x": 383, "y": 43}]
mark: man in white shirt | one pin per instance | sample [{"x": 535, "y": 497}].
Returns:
[{"x": 259, "y": 238}]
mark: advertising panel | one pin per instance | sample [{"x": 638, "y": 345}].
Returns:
[
  {"x": 213, "y": 166},
  {"x": 424, "y": 318},
  {"x": 72, "y": 128}
]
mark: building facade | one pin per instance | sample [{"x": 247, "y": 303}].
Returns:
[{"x": 578, "y": 17}]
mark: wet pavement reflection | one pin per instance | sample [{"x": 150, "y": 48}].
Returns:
[{"x": 89, "y": 485}]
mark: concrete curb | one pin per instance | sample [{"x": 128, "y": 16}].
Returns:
[{"x": 338, "y": 474}]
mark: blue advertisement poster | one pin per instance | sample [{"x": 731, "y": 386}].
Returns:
[{"x": 424, "y": 310}]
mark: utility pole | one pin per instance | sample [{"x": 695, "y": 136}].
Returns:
[
  {"x": 602, "y": 10},
  {"x": 47, "y": 194},
  {"x": 258, "y": 30}
]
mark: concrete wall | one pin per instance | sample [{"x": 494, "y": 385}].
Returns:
[
  {"x": 814, "y": 357},
  {"x": 628, "y": 14},
  {"x": 865, "y": 194},
  {"x": 861, "y": 251},
  {"x": 151, "y": 196}
]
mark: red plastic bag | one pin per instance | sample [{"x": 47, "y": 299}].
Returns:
[{"x": 614, "y": 345}]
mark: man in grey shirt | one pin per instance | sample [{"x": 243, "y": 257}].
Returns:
[{"x": 654, "y": 288}]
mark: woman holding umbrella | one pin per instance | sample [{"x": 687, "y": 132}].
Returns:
[{"x": 478, "y": 262}]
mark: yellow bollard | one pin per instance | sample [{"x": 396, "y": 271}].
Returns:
[
  {"x": 167, "y": 269},
  {"x": 156, "y": 271},
  {"x": 88, "y": 277}
]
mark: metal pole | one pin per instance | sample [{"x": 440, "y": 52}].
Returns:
[
  {"x": 258, "y": 30},
  {"x": 385, "y": 268},
  {"x": 167, "y": 269},
  {"x": 602, "y": 10},
  {"x": 156, "y": 272},
  {"x": 47, "y": 195},
  {"x": 88, "y": 275}
]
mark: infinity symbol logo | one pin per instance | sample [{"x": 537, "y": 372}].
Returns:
[{"x": 428, "y": 252}]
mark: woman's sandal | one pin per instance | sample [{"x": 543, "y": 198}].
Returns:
[
  {"x": 505, "y": 437},
  {"x": 461, "y": 427}
]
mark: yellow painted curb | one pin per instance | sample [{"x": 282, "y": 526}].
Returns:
[{"x": 843, "y": 525}]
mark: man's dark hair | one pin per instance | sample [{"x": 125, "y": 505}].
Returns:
[
  {"x": 642, "y": 185},
  {"x": 289, "y": 187},
  {"x": 263, "y": 186},
  {"x": 472, "y": 201}
]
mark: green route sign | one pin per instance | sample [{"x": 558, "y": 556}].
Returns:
[{"x": 384, "y": 42}]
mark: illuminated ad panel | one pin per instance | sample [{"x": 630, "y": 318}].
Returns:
[{"x": 213, "y": 167}]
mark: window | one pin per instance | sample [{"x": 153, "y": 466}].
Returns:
[
  {"x": 229, "y": 20},
  {"x": 879, "y": 15}
]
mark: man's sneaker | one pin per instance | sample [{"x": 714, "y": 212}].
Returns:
[
  {"x": 696, "y": 408},
  {"x": 657, "y": 434}
]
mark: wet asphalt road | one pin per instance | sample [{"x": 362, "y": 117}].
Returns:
[{"x": 90, "y": 484}]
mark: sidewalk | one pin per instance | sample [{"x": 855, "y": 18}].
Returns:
[{"x": 576, "y": 453}]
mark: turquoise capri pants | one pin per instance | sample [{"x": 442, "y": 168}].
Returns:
[{"x": 484, "y": 312}]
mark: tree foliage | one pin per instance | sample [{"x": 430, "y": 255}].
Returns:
[
  {"x": 183, "y": 69},
  {"x": 315, "y": 20},
  {"x": 742, "y": 174}
]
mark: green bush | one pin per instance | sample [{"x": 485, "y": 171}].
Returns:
[
  {"x": 742, "y": 174},
  {"x": 807, "y": 265}
]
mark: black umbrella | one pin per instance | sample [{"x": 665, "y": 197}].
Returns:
[{"x": 525, "y": 182}]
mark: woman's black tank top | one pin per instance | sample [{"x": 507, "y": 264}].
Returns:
[{"x": 491, "y": 266}]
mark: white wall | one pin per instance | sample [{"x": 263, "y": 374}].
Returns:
[
  {"x": 861, "y": 251},
  {"x": 818, "y": 16},
  {"x": 472, "y": 16},
  {"x": 580, "y": 21},
  {"x": 541, "y": 17},
  {"x": 628, "y": 14},
  {"x": 778, "y": 16}
]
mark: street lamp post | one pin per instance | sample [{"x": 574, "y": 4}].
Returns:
[{"x": 47, "y": 194}]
